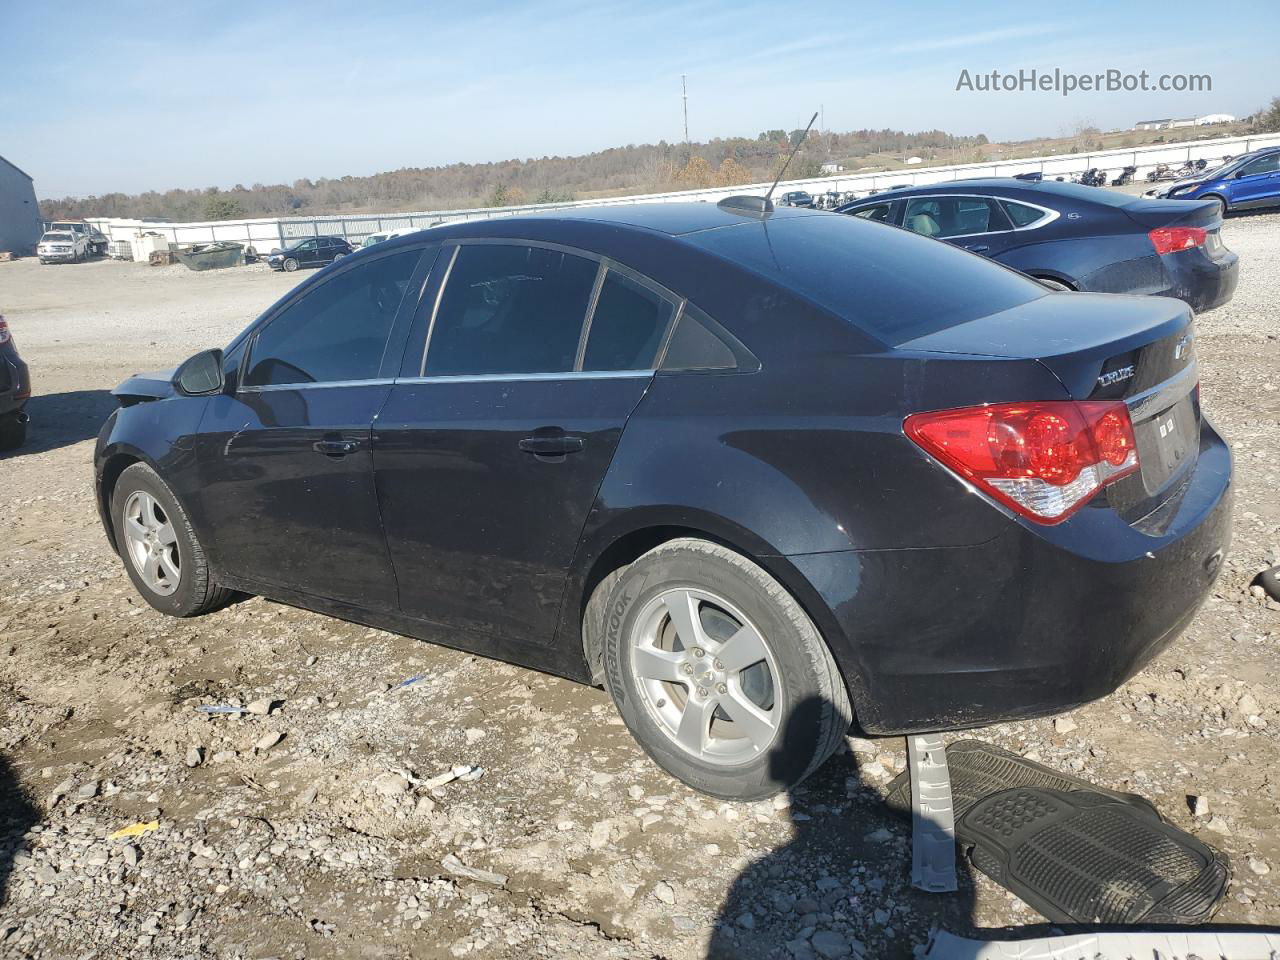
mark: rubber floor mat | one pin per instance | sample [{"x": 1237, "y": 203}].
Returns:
[
  {"x": 980, "y": 769},
  {"x": 1083, "y": 857}
]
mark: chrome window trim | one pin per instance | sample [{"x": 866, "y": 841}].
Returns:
[
  {"x": 514, "y": 377},
  {"x": 1163, "y": 395},
  {"x": 319, "y": 385},
  {"x": 1051, "y": 215}
]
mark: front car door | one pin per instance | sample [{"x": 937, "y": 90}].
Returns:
[
  {"x": 1257, "y": 183},
  {"x": 975, "y": 223},
  {"x": 527, "y": 361},
  {"x": 285, "y": 457}
]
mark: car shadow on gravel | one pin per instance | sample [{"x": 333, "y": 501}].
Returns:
[
  {"x": 17, "y": 815},
  {"x": 61, "y": 419},
  {"x": 841, "y": 886}
]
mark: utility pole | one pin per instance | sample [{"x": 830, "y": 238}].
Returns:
[{"x": 684, "y": 95}]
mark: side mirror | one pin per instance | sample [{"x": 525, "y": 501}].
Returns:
[{"x": 201, "y": 375}]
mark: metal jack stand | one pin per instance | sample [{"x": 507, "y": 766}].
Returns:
[{"x": 933, "y": 823}]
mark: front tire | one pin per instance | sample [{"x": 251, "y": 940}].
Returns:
[
  {"x": 718, "y": 672},
  {"x": 160, "y": 550},
  {"x": 1222, "y": 206},
  {"x": 290, "y": 265}
]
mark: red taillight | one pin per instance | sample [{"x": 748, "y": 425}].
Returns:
[
  {"x": 1043, "y": 460},
  {"x": 1173, "y": 239}
]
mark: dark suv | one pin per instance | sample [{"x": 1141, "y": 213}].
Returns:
[
  {"x": 754, "y": 472},
  {"x": 312, "y": 252},
  {"x": 15, "y": 391}
]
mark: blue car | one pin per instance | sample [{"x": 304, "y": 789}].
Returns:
[
  {"x": 1071, "y": 237},
  {"x": 1245, "y": 183}
]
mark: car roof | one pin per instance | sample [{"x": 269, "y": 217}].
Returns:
[
  {"x": 1029, "y": 190},
  {"x": 669, "y": 219}
]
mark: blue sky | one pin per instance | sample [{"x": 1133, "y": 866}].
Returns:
[{"x": 115, "y": 96}]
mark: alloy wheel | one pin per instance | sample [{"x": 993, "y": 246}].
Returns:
[
  {"x": 706, "y": 676},
  {"x": 152, "y": 543}
]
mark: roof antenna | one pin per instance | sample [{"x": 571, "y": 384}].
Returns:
[{"x": 763, "y": 206}]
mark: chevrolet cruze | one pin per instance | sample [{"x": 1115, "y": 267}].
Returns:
[{"x": 759, "y": 473}]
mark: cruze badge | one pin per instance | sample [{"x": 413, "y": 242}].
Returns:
[
  {"x": 1183, "y": 346},
  {"x": 1115, "y": 376}
]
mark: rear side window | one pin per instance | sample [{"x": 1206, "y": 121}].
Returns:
[
  {"x": 1023, "y": 215},
  {"x": 510, "y": 309},
  {"x": 336, "y": 331},
  {"x": 893, "y": 284},
  {"x": 627, "y": 326},
  {"x": 699, "y": 343},
  {"x": 1267, "y": 164}
]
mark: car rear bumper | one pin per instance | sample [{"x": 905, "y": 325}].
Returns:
[
  {"x": 1201, "y": 281},
  {"x": 1033, "y": 622}
]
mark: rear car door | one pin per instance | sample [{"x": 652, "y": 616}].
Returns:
[
  {"x": 526, "y": 362},
  {"x": 285, "y": 458}
]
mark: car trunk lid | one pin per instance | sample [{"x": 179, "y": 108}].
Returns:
[{"x": 1104, "y": 347}]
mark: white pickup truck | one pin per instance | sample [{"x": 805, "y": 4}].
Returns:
[
  {"x": 96, "y": 240},
  {"x": 63, "y": 246}
]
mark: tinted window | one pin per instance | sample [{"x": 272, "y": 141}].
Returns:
[
  {"x": 336, "y": 331},
  {"x": 627, "y": 326},
  {"x": 696, "y": 346},
  {"x": 894, "y": 285},
  {"x": 1268, "y": 164},
  {"x": 307, "y": 245},
  {"x": 879, "y": 213},
  {"x": 953, "y": 216},
  {"x": 1021, "y": 214},
  {"x": 510, "y": 309}
]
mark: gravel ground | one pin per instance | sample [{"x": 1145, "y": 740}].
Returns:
[{"x": 484, "y": 810}]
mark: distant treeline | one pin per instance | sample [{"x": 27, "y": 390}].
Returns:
[{"x": 630, "y": 169}]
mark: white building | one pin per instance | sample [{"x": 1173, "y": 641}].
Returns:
[
  {"x": 912, "y": 161},
  {"x": 19, "y": 212},
  {"x": 1211, "y": 118},
  {"x": 832, "y": 168},
  {"x": 1169, "y": 123}
]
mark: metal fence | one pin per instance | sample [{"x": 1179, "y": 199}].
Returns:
[{"x": 267, "y": 234}]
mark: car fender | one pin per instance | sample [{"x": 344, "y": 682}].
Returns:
[{"x": 158, "y": 433}]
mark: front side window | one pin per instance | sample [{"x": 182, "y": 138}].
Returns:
[
  {"x": 879, "y": 213},
  {"x": 336, "y": 331},
  {"x": 510, "y": 309},
  {"x": 1268, "y": 164},
  {"x": 627, "y": 326}
]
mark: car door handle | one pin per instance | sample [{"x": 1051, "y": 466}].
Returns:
[
  {"x": 552, "y": 446},
  {"x": 980, "y": 248},
  {"x": 336, "y": 448}
]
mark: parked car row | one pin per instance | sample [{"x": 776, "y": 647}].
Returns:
[{"x": 717, "y": 458}]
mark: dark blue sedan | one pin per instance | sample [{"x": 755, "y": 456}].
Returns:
[
  {"x": 754, "y": 471},
  {"x": 1072, "y": 237},
  {"x": 1245, "y": 183}
]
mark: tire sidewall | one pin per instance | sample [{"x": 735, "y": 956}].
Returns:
[
  {"x": 290, "y": 265},
  {"x": 185, "y": 598},
  {"x": 793, "y": 750}
]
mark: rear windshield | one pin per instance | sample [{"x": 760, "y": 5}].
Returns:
[
  {"x": 57, "y": 237},
  {"x": 892, "y": 283}
]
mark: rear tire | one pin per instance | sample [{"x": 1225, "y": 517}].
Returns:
[
  {"x": 742, "y": 704},
  {"x": 181, "y": 585}
]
